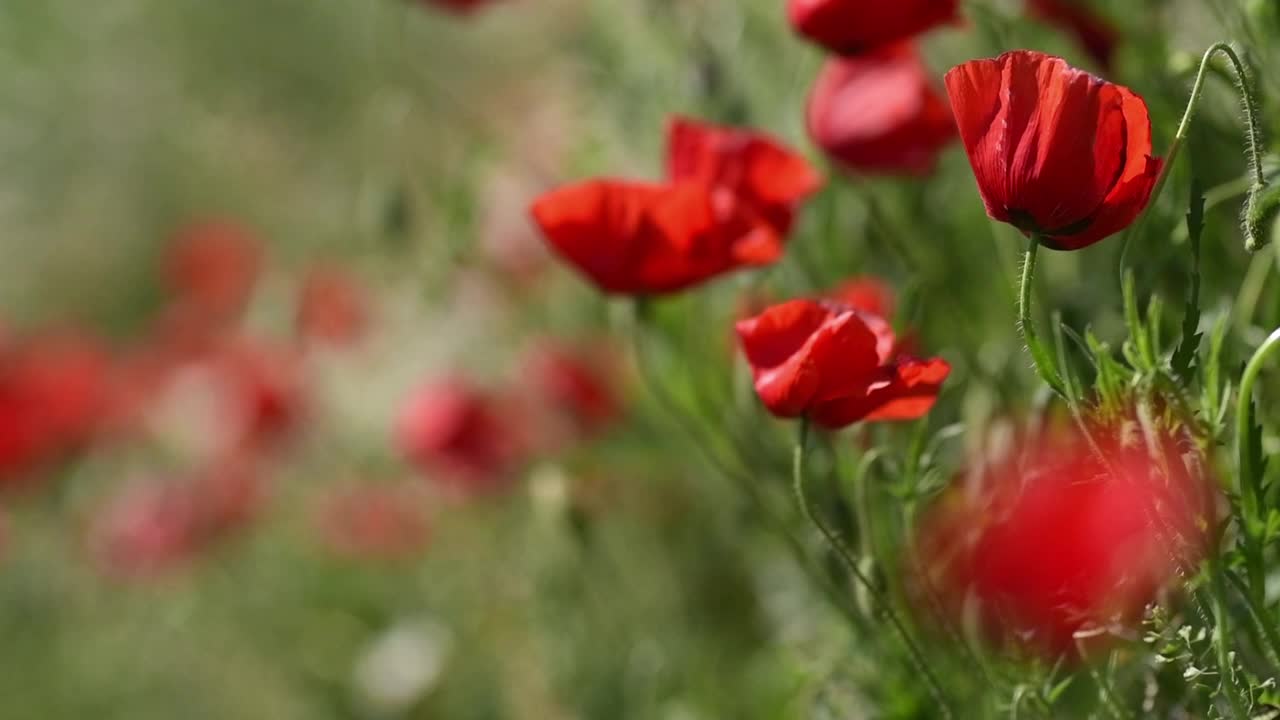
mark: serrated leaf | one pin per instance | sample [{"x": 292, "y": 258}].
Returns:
[{"x": 1183, "y": 360}]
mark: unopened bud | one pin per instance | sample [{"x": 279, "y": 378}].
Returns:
[{"x": 1260, "y": 215}]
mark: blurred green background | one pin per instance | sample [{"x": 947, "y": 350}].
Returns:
[{"x": 626, "y": 578}]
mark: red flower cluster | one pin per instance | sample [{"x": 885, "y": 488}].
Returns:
[
  {"x": 728, "y": 203},
  {"x": 1057, "y": 152},
  {"x": 879, "y": 113},
  {"x": 197, "y": 385},
  {"x": 873, "y": 108},
  {"x": 836, "y": 365},
  {"x": 1053, "y": 540},
  {"x": 848, "y": 27}
]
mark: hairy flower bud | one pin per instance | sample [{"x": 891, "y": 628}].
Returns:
[{"x": 1260, "y": 215}]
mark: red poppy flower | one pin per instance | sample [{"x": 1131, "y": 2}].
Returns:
[
  {"x": 266, "y": 386},
  {"x": 460, "y": 436},
  {"x": 1057, "y": 152},
  {"x": 212, "y": 268},
  {"x": 332, "y": 307},
  {"x": 848, "y": 27},
  {"x": 866, "y": 293},
  {"x": 878, "y": 112},
  {"x": 728, "y": 203},
  {"x": 145, "y": 531},
  {"x": 54, "y": 393},
  {"x": 1050, "y": 541},
  {"x": 573, "y": 384},
  {"x": 836, "y": 365},
  {"x": 1093, "y": 32},
  {"x": 374, "y": 522}
]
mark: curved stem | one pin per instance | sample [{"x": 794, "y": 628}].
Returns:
[
  {"x": 759, "y": 503},
  {"x": 846, "y": 557},
  {"x": 1250, "y": 476},
  {"x": 1043, "y": 361},
  {"x": 1184, "y": 128},
  {"x": 1244, "y": 413},
  {"x": 1250, "y": 111}
]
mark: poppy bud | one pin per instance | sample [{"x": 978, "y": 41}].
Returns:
[{"x": 1260, "y": 215}]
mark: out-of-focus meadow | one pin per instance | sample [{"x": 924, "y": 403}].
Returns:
[{"x": 299, "y": 418}]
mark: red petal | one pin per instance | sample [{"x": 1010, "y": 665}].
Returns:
[
  {"x": 802, "y": 354},
  {"x": 749, "y": 164},
  {"x": 905, "y": 391},
  {"x": 1132, "y": 190},
  {"x": 855, "y": 26},
  {"x": 1053, "y": 149},
  {"x": 877, "y": 113},
  {"x": 627, "y": 237},
  {"x": 868, "y": 294}
]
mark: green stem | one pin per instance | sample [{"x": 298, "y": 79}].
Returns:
[
  {"x": 1043, "y": 361},
  {"x": 1184, "y": 128},
  {"x": 695, "y": 435},
  {"x": 846, "y": 557},
  {"x": 1250, "y": 112},
  {"x": 1250, "y": 476},
  {"x": 1222, "y": 639},
  {"x": 1262, "y": 619}
]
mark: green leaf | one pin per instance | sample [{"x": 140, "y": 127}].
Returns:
[
  {"x": 1138, "y": 350},
  {"x": 1183, "y": 360}
]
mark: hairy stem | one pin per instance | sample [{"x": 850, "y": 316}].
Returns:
[
  {"x": 846, "y": 557},
  {"x": 1043, "y": 361}
]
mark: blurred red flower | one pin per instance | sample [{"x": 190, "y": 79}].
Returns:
[
  {"x": 154, "y": 527},
  {"x": 460, "y": 436},
  {"x": 226, "y": 496},
  {"x": 54, "y": 394},
  {"x": 1049, "y": 540},
  {"x": 879, "y": 113},
  {"x": 374, "y": 522},
  {"x": 267, "y": 383},
  {"x": 575, "y": 384},
  {"x": 1091, "y": 30},
  {"x": 230, "y": 397},
  {"x": 728, "y": 203},
  {"x": 1057, "y": 152},
  {"x": 836, "y": 365},
  {"x": 144, "y": 531},
  {"x": 866, "y": 293},
  {"x": 212, "y": 267},
  {"x": 332, "y": 307},
  {"x": 848, "y": 27}
]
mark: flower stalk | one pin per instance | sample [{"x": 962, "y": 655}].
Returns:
[
  {"x": 851, "y": 564},
  {"x": 1044, "y": 363}
]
